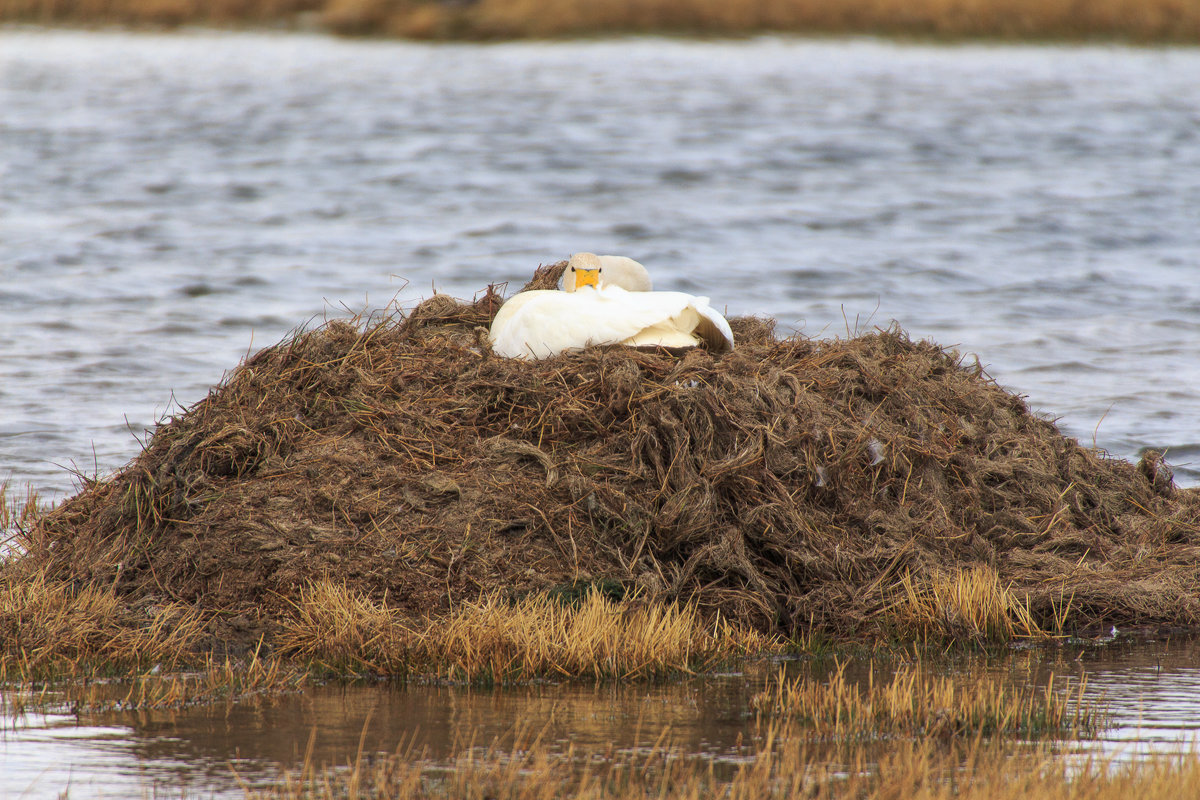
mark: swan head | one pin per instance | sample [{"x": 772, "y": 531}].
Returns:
[
  {"x": 589, "y": 269},
  {"x": 582, "y": 270}
]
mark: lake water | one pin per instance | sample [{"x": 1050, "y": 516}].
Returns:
[{"x": 169, "y": 203}]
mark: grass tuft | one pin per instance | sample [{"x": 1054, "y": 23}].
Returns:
[
  {"x": 54, "y": 626},
  {"x": 16, "y": 515},
  {"x": 914, "y": 703},
  {"x": 495, "y": 641},
  {"x": 970, "y": 604},
  {"x": 216, "y": 681},
  {"x": 345, "y": 631}
]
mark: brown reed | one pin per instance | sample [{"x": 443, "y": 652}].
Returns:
[
  {"x": 493, "y": 640},
  {"x": 214, "y": 681},
  {"x": 54, "y": 627},
  {"x": 226, "y": 680},
  {"x": 963, "y": 604},
  {"x": 16, "y": 514},
  {"x": 912, "y": 702},
  {"x": 156, "y": 12},
  {"x": 1134, "y": 20}
]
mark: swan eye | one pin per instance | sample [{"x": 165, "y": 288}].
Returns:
[{"x": 572, "y": 269}]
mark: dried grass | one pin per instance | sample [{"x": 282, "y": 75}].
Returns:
[
  {"x": 600, "y": 639},
  {"x": 911, "y": 702},
  {"x": 227, "y": 681},
  {"x": 343, "y": 630},
  {"x": 493, "y": 640},
  {"x": 16, "y": 514},
  {"x": 965, "y": 604},
  {"x": 53, "y": 627},
  {"x": 1155, "y": 20},
  {"x": 1137, "y": 20},
  {"x": 155, "y": 12}
]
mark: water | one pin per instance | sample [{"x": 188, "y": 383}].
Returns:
[
  {"x": 1150, "y": 688},
  {"x": 169, "y": 203}
]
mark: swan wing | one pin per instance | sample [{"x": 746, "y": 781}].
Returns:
[
  {"x": 713, "y": 328},
  {"x": 539, "y": 324},
  {"x": 687, "y": 319}
]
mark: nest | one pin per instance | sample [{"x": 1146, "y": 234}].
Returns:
[{"x": 787, "y": 484}]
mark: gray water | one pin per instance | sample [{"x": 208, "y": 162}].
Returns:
[{"x": 170, "y": 203}]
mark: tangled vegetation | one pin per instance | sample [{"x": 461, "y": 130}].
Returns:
[
  {"x": 1131, "y": 20},
  {"x": 867, "y": 487}
]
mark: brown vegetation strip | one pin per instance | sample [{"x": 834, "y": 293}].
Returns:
[
  {"x": 496, "y": 641},
  {"x": 852, "y": 488},
  {"x": 53, "y": 627},
  {"x": 1136, "y": 20}
]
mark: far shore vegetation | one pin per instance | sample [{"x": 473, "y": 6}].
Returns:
[{"x": 1142, "y": 21}]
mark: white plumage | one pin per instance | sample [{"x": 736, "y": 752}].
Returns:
[{"x": 596, "y": 308}]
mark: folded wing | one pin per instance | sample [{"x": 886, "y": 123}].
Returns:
[{"x": 539, "y": 324}]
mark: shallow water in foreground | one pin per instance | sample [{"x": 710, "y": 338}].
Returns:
[
  {"x": 1151, "y": 688},
  {"x": 169, "y": 203}
]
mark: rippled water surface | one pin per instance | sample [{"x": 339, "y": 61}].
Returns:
[{"x": 170, "y": 203}]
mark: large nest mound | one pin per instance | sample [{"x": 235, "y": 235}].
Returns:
[{"x": 788, "y": 483}]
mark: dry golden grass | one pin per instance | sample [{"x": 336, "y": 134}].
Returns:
[
  {"x": 1156, "y": 779},
  {"x": 1139, "y": 20},
  {"x": 342, "y": 630},
  {"x": 1170, "y": 20},
  {"x": 57, "y": 627},
  {"x": 155, "y": 12},
  {"x": 970, "y": 604},
  {"x": 914, "y": 703},
  {"x": 492, "y": 640},
  {"x": 16, "y": 514}
]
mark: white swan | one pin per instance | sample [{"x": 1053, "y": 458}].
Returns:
[{"x": 597, "y": 307}]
